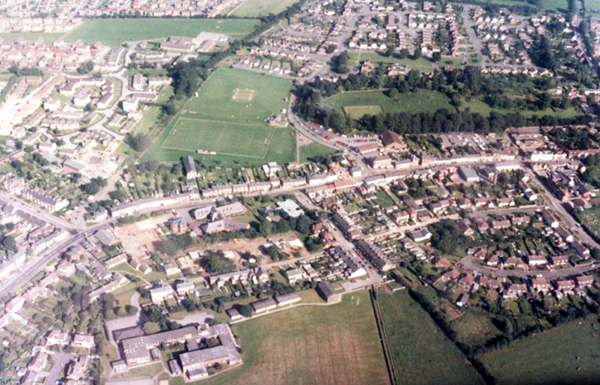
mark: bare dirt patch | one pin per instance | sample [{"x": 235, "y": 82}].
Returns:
[
  {"x": 240, "y": 95},
  {"x": 140, "y": 238}
]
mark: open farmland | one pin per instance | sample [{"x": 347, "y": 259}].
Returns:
[
  {"x": 358, "y": 103},
  {"x": 420, "y": 352},
  {"x": 307, "y": 345},
  {"x": 228, "y": 122},
  {"x": 258, "y": 8},
  {"x": 115, "y": 32},
  {"x": 567, "y": 354}
]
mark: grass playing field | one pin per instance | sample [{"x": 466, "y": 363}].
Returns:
[
  {"x": 257, "y": 8},
  {"x": 225, "y": 138},
  {"x": 420, "y": 351},
  {"x": 565, "y": 355},
  {"x": 224, "y": 96},
  {"x": 357, "y": 104},
  {"x": 228, "y": 118},
  {"x": 115, "y": 32},
  {"x": 316, "y": 345}
]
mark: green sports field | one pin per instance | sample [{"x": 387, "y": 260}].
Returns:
[
  {"x": 310, "y": 345},
  {"x": 239, "y": 96},
  {"x": 224, "y": 138},
  {"x": 420, "y": 352},
  {"x": 565, "y": 355},
  {"x": 115, "y": 32},
  {"x": 360, "y": 103},
  {"x": 228, "y": 118},
  {"x": 258, "y": 8}
]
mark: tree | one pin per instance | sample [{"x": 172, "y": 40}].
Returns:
[
  {"x": 138, "y": 142},
  {"x": 85, "y": 68},
  {"x": 131, "y": 310},
  {"x": 9, "y": 243},
  {"x": 246, "y": 311},
  {"x": 151, "y": 327},
  {"x": 303, "y": 225},
  {"x": 266, "y": 227},
  {"x": 436, "y": 57}
]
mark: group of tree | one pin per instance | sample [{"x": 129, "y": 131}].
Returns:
[
  {"x": 456, "y": 84},
  {"x": 94, "y": 185}
]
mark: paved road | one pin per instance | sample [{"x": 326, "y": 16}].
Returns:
[
  {"x": 36, "y": 211},
  {"x": 469, "y": 264},
  {"x": 558, "y": 206}
]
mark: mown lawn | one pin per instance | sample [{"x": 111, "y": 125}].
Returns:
[
  {"x": 258, "y": 8},
  {"x": 479, "y": 106},
  {"x": 114, "y": 32},
  {"x": 313, "y": 150},
  {"x": 420, "y": 351},
  {"x": 413, "y": 102},
  {"x": 420, "y": 64},
  {"x": 308, "y": 345},
  {"x": 565, "y": 355}
]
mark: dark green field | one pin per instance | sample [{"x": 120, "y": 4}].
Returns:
[
  {"x": 420, "y": 351},
  {"x": 569, "y": 354}
]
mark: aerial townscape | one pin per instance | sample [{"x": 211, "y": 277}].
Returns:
[{"x": 303, "y": 192}]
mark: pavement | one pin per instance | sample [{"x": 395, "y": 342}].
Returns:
[{"x": 59, "y": 362}]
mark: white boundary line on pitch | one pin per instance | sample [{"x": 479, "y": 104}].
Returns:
[{"x": 223, "y": 153}]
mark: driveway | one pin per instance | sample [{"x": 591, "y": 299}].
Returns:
[{"x": 59, "y": 362}]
